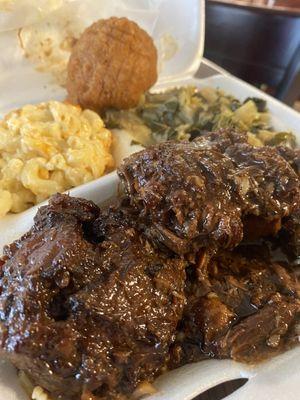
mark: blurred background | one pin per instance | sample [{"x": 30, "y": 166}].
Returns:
[{"x": 258, "y": 41}]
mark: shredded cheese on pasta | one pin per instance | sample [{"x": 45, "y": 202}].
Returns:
[{"x": 49, "y": 148}]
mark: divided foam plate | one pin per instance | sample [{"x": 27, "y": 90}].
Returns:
[{"x": 276, "y": 379}]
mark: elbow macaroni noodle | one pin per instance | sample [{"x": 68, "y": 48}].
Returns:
[{"x": 48, "y": 148}]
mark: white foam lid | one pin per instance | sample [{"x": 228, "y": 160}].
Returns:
[
  {"x": 174, "y": 24},
  {"x": 185, "y": 21}
]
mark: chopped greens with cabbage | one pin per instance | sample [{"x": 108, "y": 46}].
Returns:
[{"x": 188, "y": 112}]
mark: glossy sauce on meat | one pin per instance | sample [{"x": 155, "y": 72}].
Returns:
[
  {"x": 81, "y": 314},
  {"x": 232, "y": 295},
  {"x": 197, "y": 194},
  {"x": 94, "y": 302}
]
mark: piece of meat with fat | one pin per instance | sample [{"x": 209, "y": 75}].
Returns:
[
  {"x": 227, "y": 303},
  {"x": 82, "y": 315},
  {"x": 221, "y": 140},
  {"x": 253, "y": 226},
  {"x": 225, "y": 141},
  {"x": 290, "y": 232},
  {"x": 292, "y": 156},
  {"x": 202, "y": 193}
]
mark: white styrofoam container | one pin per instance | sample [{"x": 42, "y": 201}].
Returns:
[
  {"x": 276, "y": 379},
  {"x": 21, "y": 83}
]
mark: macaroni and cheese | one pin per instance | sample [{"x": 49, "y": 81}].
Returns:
[{"x": 49, "y": 148}]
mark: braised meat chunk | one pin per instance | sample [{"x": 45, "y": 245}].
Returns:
[
  {"x": 202, "y": 193},
  {"x": 221, "y": 140},
  {"x": 226, "y": 305},
  {"x": 290, "y": 232},
  {"x": 84, "y": 315},
  {"x": 292, "y": 156},
  {"x": 290, "y": 235},
  {"x": 184, "y": 195},
  {"x": 94, "y": 302}
]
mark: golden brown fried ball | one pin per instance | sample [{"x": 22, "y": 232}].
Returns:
[{"x": 113, "y": 63}]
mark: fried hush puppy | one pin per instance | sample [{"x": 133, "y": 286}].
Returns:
[{"x": 112, "y": 64}]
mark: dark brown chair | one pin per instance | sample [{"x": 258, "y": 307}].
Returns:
[{"x": 260, "y": 45}]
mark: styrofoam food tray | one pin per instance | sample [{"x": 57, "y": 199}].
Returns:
[
  {"x": 21, "y": 83},
  {"x": 276, "y": 379}
]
